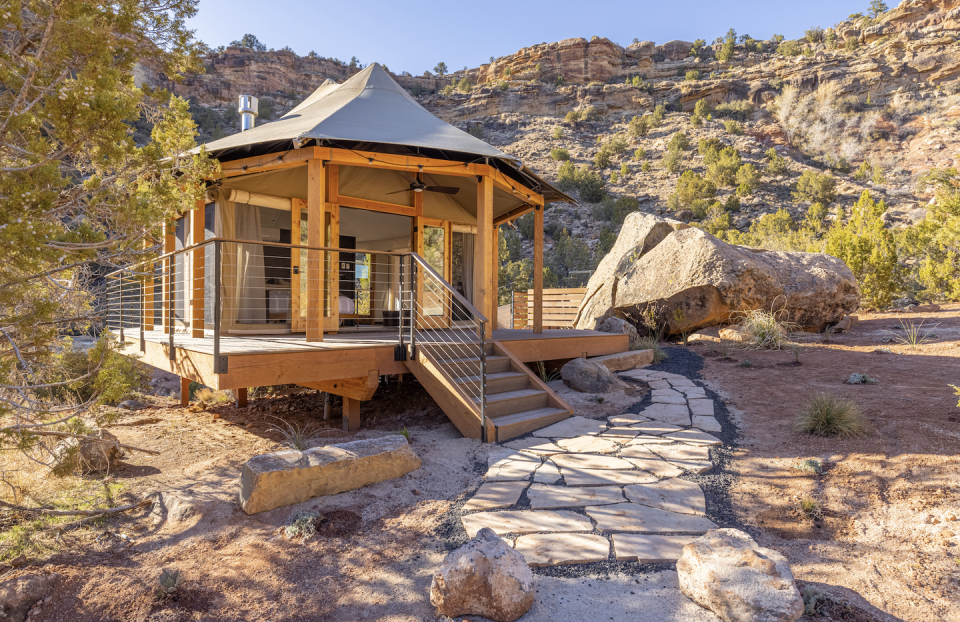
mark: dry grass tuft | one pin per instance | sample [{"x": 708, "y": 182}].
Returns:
[
  {"x": 826, "y": 415},
  {"x": 764, "y": 330}
]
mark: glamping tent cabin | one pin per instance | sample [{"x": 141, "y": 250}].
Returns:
[{"x": 353, "y": 238}]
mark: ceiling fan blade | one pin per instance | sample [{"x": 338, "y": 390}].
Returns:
[
  {"x": 443, "y": 189},
  {"x": 398, "y": 191}
]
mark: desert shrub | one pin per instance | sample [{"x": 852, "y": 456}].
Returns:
[
  {"x": 777, "y": 232},
  {"x": 878, "y": 176},
  {"x": 569, "y": 254},
  {"x": 526, "y": 223},
  {"x": 572, "y": 117},
  {"x": 656, "y": 119},
  {"x": 601, "y": 159},
  {"x": 776, "y": 163},
  {"x": 638, "y": 127},
  {"x": 640, "y": 154},
  {"x": 624, "y": 170},
  {"x": 864, "y": 172},
  {"x": 826, "y": 415},
  {"x": 464, "y": 85},
  {"x": 732, "y": 204},
  {"x": 693, "y": 191},
  {"x": 623, "y": 207},
  {"x": 868, "y": 249},
  {"x": 813, "y": 35},
  {"x": 702, "y": 108},
  {"x": 645, "y": 167},
  {"x": 729, "y": 46},
  {"x": 590, "y": 185},
  {"x": 692, "y": 75},
  {"x": 810, "y": 465},
  {"x": 858, "y": 378},
  {"x": 764, "y": 330},
  {"x": 557, "y": 133},
  {"x": 748, "y": 179},
  {"x": 100, "y": 373},
  {"x": 723, "y": 171},
  {"x": 616, "y": 145},
  {"x": 679, "y": 141},
  {"x": 698, "y": 47},
  {"x": 653, "y": 342},
  {"x": 560, "y": 155},
  {"x": 710, "y": 148},
  {"x": 673, "y": 160},
  {"x": 738, "y": 110},
  {"x": 732, "y": 127},
  {"x": 567, "y": 175},
  {"x": 816, "y": 187},
  {"x": 614, "y": 177},
  {"x": 591, "y": 114},
  {"x": 448, "y": 90},
  {"x": 789, "y": 48},
  {"x": 504, "y": 86}
]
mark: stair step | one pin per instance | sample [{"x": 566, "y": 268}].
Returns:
[
  {"x": 517, "y": 424},
  {"x": 497, "y": 376},
  {"x": 495, "y": 364},
  {"x": 498, "y": 383},
  {"x": 510, "y": 402}
]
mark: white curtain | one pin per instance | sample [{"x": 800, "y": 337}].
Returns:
[
  {"x": 251, "y": 284},
  {"x": 467, "y": 261}
]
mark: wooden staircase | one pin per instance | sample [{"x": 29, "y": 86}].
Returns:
[{"x": 518, "y": 401}]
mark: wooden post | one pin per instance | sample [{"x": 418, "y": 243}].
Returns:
[
  {"x": 484, "y": 296},
  {"x": 316, "y": 192},
  {"x": 296, "y": 320},
  {"x": 495, "y": 278},
  {"x": 149, "y": 286},
  {"x": 198, "y": 295},
  {"x": 332, "y": 186},
  {"x": 351, "y": 414},
  {"x": 241, "y": 397},
  {"x": 538, "y": 270},
  {"x": 184, "y": 391}
]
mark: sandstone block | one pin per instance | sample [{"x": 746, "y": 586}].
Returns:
[
  {"x": 287, "y": 477},
  {"x": 553, "y": 549},
  {"x": 625, "y": 360}
]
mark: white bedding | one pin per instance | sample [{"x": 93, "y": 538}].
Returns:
[{"x": 347, "y": 305}]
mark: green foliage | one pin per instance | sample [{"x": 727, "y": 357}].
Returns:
[
  {"x": 816, "y": 187},
  {"x": 572, "y": 117},
  {"x": 559, "y": 81},
  {"x": 638, "y": 127},
  {"x": 615, "y": 210},
  {"x": 878, "y": 8},
  {"x": 748, "y": 179},
  {"x": 878, "y": 176},
  {"x": 710, "y": 148},
  {"x": 560, "y": 154},
  {"x": 588, "y": 183},
  {"x": 776, "y": 163},
  {"x": 729, "y": 46},
  {"x": 732, "y": 127},
  {"x": 557, "y": 133},
  {"x": 673, "y": 160},
  {"x": 700, "y": 112},
  {"x": 569, "y": 255},
  {"x": 776, "y": 232},
  {"x": 567, "y": 175},
  {"x": 826, "y": 415},
  {"x": 591, "y": 114},
  {"x": 525, "y": 224},
  {"x": 810, "y": 465},
  {"x": 679, "y": 141},
  {"x": 738, "y": 110},
  {"x": 464, "y": 86},
  {"x": 698, "y": 46},
  {"x": 723, "y": 171},
  {"x": 868, "y": 249},
  {"x": 863, "y": 173},
  {"x": 440, "y": 69},
  {"x": 852, "y": 44},
  {"x": 693, "y": 192},
  {"x": 814, "y": 34},
  {"x": 640, "y": 154},
  {"x": 624, "y": 170},
  {"x": 789, "y": 48},
  {"x": 692, "y": 75},
  {"x": 601, "y": 159},
  {"x": 645, "y": 167},
  {"x": 605, "y": 242},
  {"x": 250, "y": 42},
  {"x": 732, "y": 204},
  {"x": 656, "y": 119}
]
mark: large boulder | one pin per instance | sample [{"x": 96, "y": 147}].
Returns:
[
  {"x": 691, "y": 280},
  {"x": 484, "y": 577},
  {"x": 620, "y": 326},
  {"x": 22, "y": 594},
  {"x": 675, "y": 50},
  {"x": 588, "y": 376},
  {"x": 88, "y": 454},
  {"x": 270, "y": 481},
  {"x": 640, "y": 234},
  {"x": 727, "y": 572}
]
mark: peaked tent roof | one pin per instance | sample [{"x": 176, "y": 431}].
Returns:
[{"x": 369, "y": 109}]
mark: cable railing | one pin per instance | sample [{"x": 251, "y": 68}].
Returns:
[{"x": 226, "y": 288}]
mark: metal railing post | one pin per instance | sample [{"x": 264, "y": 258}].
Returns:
[
  {"x": 121, "y": 305},
  {"x": 217, "y": 366},
  {"x": 483, "y": 381},
  {"x": 413, "y": 309}
]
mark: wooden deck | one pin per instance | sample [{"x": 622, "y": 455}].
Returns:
[{"x": 259, "y": 360}]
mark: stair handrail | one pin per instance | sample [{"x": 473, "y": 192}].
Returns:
[{"x": 418, "y": 263}]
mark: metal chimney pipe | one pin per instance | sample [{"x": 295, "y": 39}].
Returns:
[{"x": 249, "y": 109}]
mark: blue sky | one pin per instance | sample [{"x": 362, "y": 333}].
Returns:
[{"x": 414, "y": 36}]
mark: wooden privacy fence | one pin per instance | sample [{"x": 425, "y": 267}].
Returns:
[{"x": 559, "y": 307}]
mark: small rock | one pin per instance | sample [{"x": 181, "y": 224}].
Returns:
[
  {"x": 89, "y": 455},
  {"x": 727, "y": 572},
  {"x": 589, "y": 377},
  {"x": 131, "y": 405},
  {"x": 18, "y": 561},
  {"x": 484, "y": 577},
  {"x": 620, "y": 326},
  {"x": 20, "y": 595}
]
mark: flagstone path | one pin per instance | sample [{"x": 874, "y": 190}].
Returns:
[{"x": 602, "y": 490}]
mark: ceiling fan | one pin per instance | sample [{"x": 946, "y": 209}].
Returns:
[{"x": 417, "y": 185}]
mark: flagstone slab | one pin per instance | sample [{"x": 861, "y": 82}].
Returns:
[
  {"x": 569, "y": 428},
  {"x": 708, "y": 424},
  {"x": 668, "y": 397},
  {"x": 589, "y": 444},
  {"x": 682, "y": 452},
  {"x": 554, "y": 549},
  {"x": 648, "y": 549},
  {"x": 605, "y": 477},
  {"x": 693, "y": 393},
  {"x": 656, "y": 428},
  {"x": 502, "y": 454},
  {"x": 701, "y": 407},
  {"x": 493, "y": 495},
  {"x": 639, "y": 374},
  {"x": 525, "y": 521},
  {"x": 660, "y": 375},
  {"x": 589, "y": 461},
  {"x": 620, "y": 434},
  {"x": 645, "y": 439},
  {"x": 643, "y": 519},
  {"x": 673, "y": 495},
  {"x": 695, "y": 437},
  {"x": 547, "y": 473},
  {"x": 676, "y": 383},
  {"x": 534, "y": 445},
  {"x": 507, "y": 470},
  {"x": 626, "y": 419},
  {"x": 659, "y": 384},
  {"x": 676, "y": 414},
  {"x": 549, "y": 497}
]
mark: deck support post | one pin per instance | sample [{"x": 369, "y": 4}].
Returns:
[
  {"x": 316, "y": 193},
  {"x": 351, "y": 414},
  {"x": 184, "y": 391},
  {"x": 538, "y": 269},
  {"x": 484, "y": 289},
  {"x": 241, "y": 397}
]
